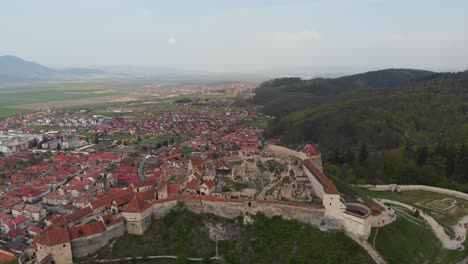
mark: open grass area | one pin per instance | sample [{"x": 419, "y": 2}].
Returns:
[
  {"x": 6, "y": 112},
  {"x": 258, "y": 123},
  {"x": 8, "y": 98},
  {"x": 183, "y": 233},
  {"x": 433, "y": 203},
  {"x": 406, "y": 241}
]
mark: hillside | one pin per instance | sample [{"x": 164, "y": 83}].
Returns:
[
  {"x": 14, "y": 69},
  {"x": 278, "y": 92},
  {"x": 185, "y": 234},
  {"x": 415, "y": 132}
]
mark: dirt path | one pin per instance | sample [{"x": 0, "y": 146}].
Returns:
[{"x": 438, "y": 230}]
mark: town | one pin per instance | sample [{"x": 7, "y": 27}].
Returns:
[{"x": 68, "y": 177}]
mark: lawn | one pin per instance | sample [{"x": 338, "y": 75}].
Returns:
[
  {"x": 183, "y": 233},
  {"x": 258, "y": 123},
  {"x": 429, "y": 201},
  {"x": 404, "y": 241}
]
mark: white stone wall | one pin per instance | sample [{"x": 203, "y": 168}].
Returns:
[
  {"x": 333, "y": 205},
  {"x": 419, "y": 188},
  {"x": 85, "y": 246},
  {"x": 61, "y": 253},
  {"x": 317, "y": 187},
  {"x": 356, "y": 225},
  {"x": 162, "y": 209}
]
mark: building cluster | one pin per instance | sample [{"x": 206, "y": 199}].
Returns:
[{"x": 58, "y": 204}]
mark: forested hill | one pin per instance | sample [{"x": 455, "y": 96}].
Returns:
[
  {"x": 406, "y": 130},
  {"x": 281, "y": 91}
]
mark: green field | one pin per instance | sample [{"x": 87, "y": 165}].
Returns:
[
  {"x": 258, "y": 123},
  {"x": 405, "y": 241},
  {"x": 425, "y": 201},
  {"x": 183, "y": 233},
  {"x": 6, "y": 112},
  {"x": 20, "y": 97}
]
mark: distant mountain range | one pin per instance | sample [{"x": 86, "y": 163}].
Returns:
[{"x": 14, "y": 69}]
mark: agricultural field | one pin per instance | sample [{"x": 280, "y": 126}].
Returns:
[{"x": 26, "y": 98}]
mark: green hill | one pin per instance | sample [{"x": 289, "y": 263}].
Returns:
[
  {"x": 185, "y": 234},
  {"x": 408, "y": 130}
]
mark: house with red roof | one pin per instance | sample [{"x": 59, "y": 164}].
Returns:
[
  {"x": 6, "y": 256},
  {"x": 193, "y": 187},
  {"x": 166, "y": 190},
  {"x": 207, "y": 187},
  {"x": 54, "y": 245},
  {"x": 4, "y": 218},
  {"x": 17, "y": 223},
  {"x": 105, "y": 202},
  {"x": 34, "y": 230},
  {"x": 138, "y": 216},
  {"x": 195, "y": 164},
  {"x": 35, "y": 195},
  {"x": 140, "y": 186},
  {"x": 310, "y": 152},
  {"x": 57, "y": 198}
]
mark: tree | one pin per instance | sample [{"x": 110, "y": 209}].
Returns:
[
  {"x": 451, "y": 158},
  {"x": 139, "y": 138},
  {"x": 59, "y": 147},
  {"x": 96, "y": 139},
  {"x": 349, "y": 156},
  {"x": 422, "y": 155},
  {"x": 363, "y": 153}
]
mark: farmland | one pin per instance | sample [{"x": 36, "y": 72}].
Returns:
[{"x": 25, "y": 98}]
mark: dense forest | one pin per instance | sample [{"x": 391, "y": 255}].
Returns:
[{"x": 389, "y": 126}]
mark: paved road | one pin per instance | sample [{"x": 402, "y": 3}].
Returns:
[{"x": 141, "y": 166}]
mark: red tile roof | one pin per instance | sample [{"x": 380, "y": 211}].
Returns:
[
  {"x": 172, "y": 189},
  {"x": 310, "y": 150},
  {"x": 63, "y": 220},
  {"x": 107, "y": 199},
  {"x": 53, "y": 237},
  {"x": 6, "y": 256},
  {"x": 193, "y": 184},
  {"x": 87, "y": 230},
  {"x": 137, "y": 184},
  {"x": 196, "y": 161},
  {"x": 328, "y": 186},
  {"x": 137, "y": 205},
  {"x": 210, "y": 184}
]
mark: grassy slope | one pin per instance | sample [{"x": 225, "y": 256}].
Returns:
[
  {"x": 403, "y": 240},
  {"x": 267, "y": 241},
  {"x": 419, "y": 199},
  {"x": 406, "y": 242}
]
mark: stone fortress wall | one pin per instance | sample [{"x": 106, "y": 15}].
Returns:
[
  {"x": 231, "y": 208},
  {"x": 82, "y": 247}
]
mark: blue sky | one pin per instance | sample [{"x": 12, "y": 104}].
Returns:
[{"x": 239, "y": 36}]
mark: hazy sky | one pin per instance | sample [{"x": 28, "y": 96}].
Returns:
[{"x": 239, "y": 35}]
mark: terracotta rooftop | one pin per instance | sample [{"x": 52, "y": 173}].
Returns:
[
  {"x": 328, "y": 186},
  {"x": 87, "y": 230},
  {"x": 196, "y": 161},
  {"x": 137, "y": 205},
  {"x": 53, "y": 237},
  {"x": 310, "y": 150}
]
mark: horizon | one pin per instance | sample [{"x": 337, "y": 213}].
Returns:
[{"x": 265, "y": 37}]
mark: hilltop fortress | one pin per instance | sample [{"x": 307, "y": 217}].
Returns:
[{"x": 131, "y": 210}]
